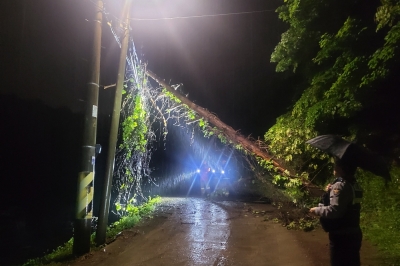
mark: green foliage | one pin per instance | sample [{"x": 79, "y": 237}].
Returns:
[
  {"x": 303, "y": 224},
  {"x": 222, "y": 138},
  {"x": 326, "y": 43},
  {"x": 286, "y": 141},
  {"x": 171, "y": 96},
  {"x": 291, "y": 186},
  {"x": 134, "y": 130},
  {"x": 388, "y": 13},
  {"x": 379, "y": 61},
  {"x": 268, "y": 165},
  {"x": 380, "y": 217},
  {"x": 64, "y": 252},
  {"x": 239, "y": 148},
  {"x": 290, "y": 52},
  {"x": 344, "y": 57},
  {"x": 332, "y": 91},
  {"x": 280, "y": 180},
  {"x": 61, "y": 253},
  {"x": 133, "y": 215},
  {"x": 203, "y": 124}
]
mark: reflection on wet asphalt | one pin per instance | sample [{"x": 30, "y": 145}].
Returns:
[
  {"x": 195, "y": 231},
  {"x": 207, "y": 230},
  {"x": 209, "y": 233}
]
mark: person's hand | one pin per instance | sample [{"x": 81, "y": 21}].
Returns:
[{"x": 312, "y": 210}]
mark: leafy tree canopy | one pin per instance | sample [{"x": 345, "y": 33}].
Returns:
[{"x": 347, "y": 52}]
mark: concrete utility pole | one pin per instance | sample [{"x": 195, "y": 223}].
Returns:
[
  {"x": 105, "y": 198},
  {"x": 85, "y": 191}
]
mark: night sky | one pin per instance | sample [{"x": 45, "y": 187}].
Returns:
[{"x": 223, "y": 62}]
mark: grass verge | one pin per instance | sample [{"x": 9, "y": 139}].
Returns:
[{"x": 64, "y": 252}]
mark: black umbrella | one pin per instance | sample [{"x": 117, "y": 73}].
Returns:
[{"x": 351, "y": 152}]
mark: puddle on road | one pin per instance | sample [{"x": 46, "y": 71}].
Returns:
[{"x": 207, "y": 230}]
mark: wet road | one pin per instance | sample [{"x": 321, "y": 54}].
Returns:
[
  {"x": 197, "y": 232},
  {"x": 207, "y": 233},
  {"x": 193, "y": 231},
  {"x": 184, "y": 232}
]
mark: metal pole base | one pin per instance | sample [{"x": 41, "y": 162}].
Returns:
[
  {"x": 82, "y": 232},
  {"x": 100, "y": 237}
]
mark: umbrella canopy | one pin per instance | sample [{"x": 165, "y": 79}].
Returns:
[
  {"x": 331, "y": 144},
  {"x": 352, "y": 153}
]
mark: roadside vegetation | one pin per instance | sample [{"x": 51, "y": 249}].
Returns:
[
  {"x": 133, "y": 216},
  {"x": 341, "y": 58}
]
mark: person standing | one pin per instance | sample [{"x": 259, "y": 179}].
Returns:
[
  {"x": 204, "y": 179},
  {"x": 340, "y": 215}
]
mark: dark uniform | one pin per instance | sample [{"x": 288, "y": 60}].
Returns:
[
  {"x": 204, "y": 179},
  {"x": 340, "y": 216}
]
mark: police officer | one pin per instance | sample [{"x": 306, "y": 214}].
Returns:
[
  {"x": 204, "y": 179},
  {"x": 340, "y": 215}
]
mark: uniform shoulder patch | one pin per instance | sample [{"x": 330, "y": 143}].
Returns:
[{"x": 336, "y": 191}]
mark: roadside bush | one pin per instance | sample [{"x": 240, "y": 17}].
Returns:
[
  {"x": 380, "y": 217},
  {"x": 64, "y": 252}
]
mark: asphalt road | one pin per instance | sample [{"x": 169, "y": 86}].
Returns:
[{"x": 194, "y": 231}]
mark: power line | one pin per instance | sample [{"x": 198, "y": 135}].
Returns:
[
  {"x": 203, "y": 16},
  {"x": 195, "y": 16}
]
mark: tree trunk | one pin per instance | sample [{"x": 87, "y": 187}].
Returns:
[{"x": 233, "y": 135}]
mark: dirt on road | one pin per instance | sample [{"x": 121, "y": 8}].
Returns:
[{"x": 195, "y": 231}]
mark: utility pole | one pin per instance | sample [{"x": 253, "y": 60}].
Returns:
[
  {"x": 105, "y": 198},
  {"x": 85, "y": 190}
]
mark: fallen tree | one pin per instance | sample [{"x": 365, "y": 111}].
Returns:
[{"x": 253, "y": 147}]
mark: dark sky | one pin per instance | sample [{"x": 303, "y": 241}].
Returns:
[{"x": 223, "y": 61}]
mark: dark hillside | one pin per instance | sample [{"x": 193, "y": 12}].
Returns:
[{"x": 40, "y": 149}]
